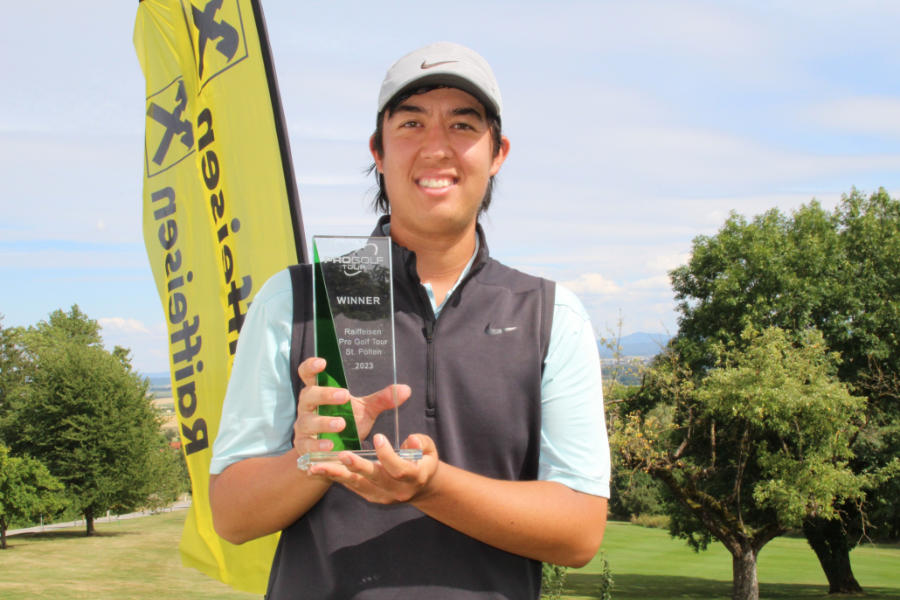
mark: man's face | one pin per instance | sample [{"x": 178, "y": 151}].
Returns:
[{"x": 437, "y": 161}]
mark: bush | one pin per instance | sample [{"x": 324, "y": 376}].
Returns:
[
  {"x": 655, "y": 521},
  {"x": 554, "y": 577},
  {"x": 553, "y": 581},
  {"x": 605, "y": 586},
  {"x": 635, "y": 493}
]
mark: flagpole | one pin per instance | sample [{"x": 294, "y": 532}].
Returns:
[{"x": 290, "y": 181}]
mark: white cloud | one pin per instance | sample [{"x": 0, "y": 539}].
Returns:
[
  {"x": 860, "y": 114},
  {"x": 593, "y": 283},
  {"x": 699, "y": 158},
  {"x": 121, "y": 325},
  {"x": 667, "y": 262},
  {"x": 655, "y": 283}
]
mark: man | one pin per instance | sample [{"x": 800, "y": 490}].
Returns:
[{"x": 503, "y": 389}]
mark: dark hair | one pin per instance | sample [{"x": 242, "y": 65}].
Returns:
[{"x": 381, "y": 202}]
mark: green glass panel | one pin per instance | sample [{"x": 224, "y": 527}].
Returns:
[{"x": 333, "y": 375}]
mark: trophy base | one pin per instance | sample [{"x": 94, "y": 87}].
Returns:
[{"x": 311, "y": 458}]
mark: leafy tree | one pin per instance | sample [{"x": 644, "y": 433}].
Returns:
[
  {"x": 870, "y": 342},
  {"x": 13, "y": 368},
  {"x": 68, "y": 327},
  {"x": 836, "y": 272},
  {"x": 27, "y": 489},
  {"x": 88, "y": 419},
  {"x": 168, "y": 475},
  {"x": 750, "y": 449}
]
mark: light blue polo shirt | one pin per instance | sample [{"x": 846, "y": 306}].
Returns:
[{"x": 259, "y": 409}]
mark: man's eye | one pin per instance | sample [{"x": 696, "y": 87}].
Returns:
[
  {"x": 409, "y": 124},
  {"x": 463, "y": 126}
]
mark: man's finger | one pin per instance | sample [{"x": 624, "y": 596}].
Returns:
[
  {"x": 314, "y": 397},
  {"x": 309, "y": 368},
  {"x": 387, "y": 398},
  {"x": 419, "y": 441},
  {"x": 313, "y": 426},
  {"x": 393, "y": 465}
]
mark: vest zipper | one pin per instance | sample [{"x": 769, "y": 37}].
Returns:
[
  {"x": 430, "y": 322},
  {"x": 430, "y": 408}
]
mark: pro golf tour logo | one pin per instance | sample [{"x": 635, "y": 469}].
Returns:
[
  {"x": 355, "y": 263},
  {"x": 218, "y": 37}
]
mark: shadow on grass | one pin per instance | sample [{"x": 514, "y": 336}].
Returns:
[
  {"x": 62, "y": 534},
  {"x": 647, "y": 587},
  {"x": 653, "y": 587}
]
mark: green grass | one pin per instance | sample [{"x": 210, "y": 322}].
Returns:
[
  {"x": 648, "y": 564},
  {"x": 133, "y": 559},
  {"x": 137, "y": 559}
]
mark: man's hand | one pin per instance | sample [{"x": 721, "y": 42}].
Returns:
[
  {"x": 366, "y": 409},
  {"x": 390, "y": 479}
]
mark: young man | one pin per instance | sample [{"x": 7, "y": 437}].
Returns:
[{"x": 501, "y": 387}]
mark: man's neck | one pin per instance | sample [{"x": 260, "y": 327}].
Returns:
[{"x": 440, "y": 260}]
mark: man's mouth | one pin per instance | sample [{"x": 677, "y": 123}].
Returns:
[{"x": 436, "y": 182}]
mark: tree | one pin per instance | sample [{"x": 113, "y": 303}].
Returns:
[
  {"x": 88, "y": 419},
  {"x": 27, "y": 489},
  {"x": 835, "y": 272},
  {"x": 68, "y": 327},
  {"x": 870, "y": 233},
  {"x": 13, "y": 368},
  {"x": 168, "y": 475},
  {"x": 750, "y": 449}
]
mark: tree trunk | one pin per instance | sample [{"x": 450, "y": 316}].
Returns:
[
  {"x": 745, "y": 585},
  {"x": 828, "y": 539},
  {"x": 2, "y": 536},
  {"x": 89, "y": 523}
]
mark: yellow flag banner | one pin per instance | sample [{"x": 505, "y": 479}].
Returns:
[{"x": 221, "y": 215}]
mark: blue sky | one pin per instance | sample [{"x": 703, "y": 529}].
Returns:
[{"x": 634, "y": 126}]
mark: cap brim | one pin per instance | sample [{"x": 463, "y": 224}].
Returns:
[{"x": 449, "y": 80}]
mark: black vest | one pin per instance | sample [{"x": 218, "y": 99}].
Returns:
[{"x": 475, "y": 375}]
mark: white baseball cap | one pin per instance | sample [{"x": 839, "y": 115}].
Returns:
[{"x": 442, "y": 63}]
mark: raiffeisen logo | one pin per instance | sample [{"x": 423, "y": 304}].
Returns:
[
  {"x": 354, "y": 264},
  {"x": 219, "y": 41},
  {"x": 169, "y": 133}
]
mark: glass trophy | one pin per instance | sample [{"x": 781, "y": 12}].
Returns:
[{"x": 354, "y": 332}]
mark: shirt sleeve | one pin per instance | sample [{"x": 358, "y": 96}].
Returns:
[
  {"x": 574, "y": 447},
  {"x": 259, "y": 410}
]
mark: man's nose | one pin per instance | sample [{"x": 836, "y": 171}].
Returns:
[{"x": 436, "y": 143}]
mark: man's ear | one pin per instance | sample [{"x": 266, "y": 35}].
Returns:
[
  {"x": 501, "y": 155},
  {"x": 379, "y": 161}
]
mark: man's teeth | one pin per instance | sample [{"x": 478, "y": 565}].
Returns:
[{"x": 435, "y": 183}]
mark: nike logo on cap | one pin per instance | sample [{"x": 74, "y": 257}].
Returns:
[{"x": 427, "y": 65}]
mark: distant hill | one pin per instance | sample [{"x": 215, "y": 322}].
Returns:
[
  {"x": 638, "y": 344},
  {"x": 160, "y": 384},
  {"x": 160, "y": 378}
]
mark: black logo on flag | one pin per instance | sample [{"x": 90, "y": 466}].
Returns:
[
  {"x": 208, "y": 29},
  {"x": 219, "y": 36},
  {"x": 170, "y": 135}
]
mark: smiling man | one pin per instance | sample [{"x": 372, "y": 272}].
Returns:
[{"x": 501, "y": 387}]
